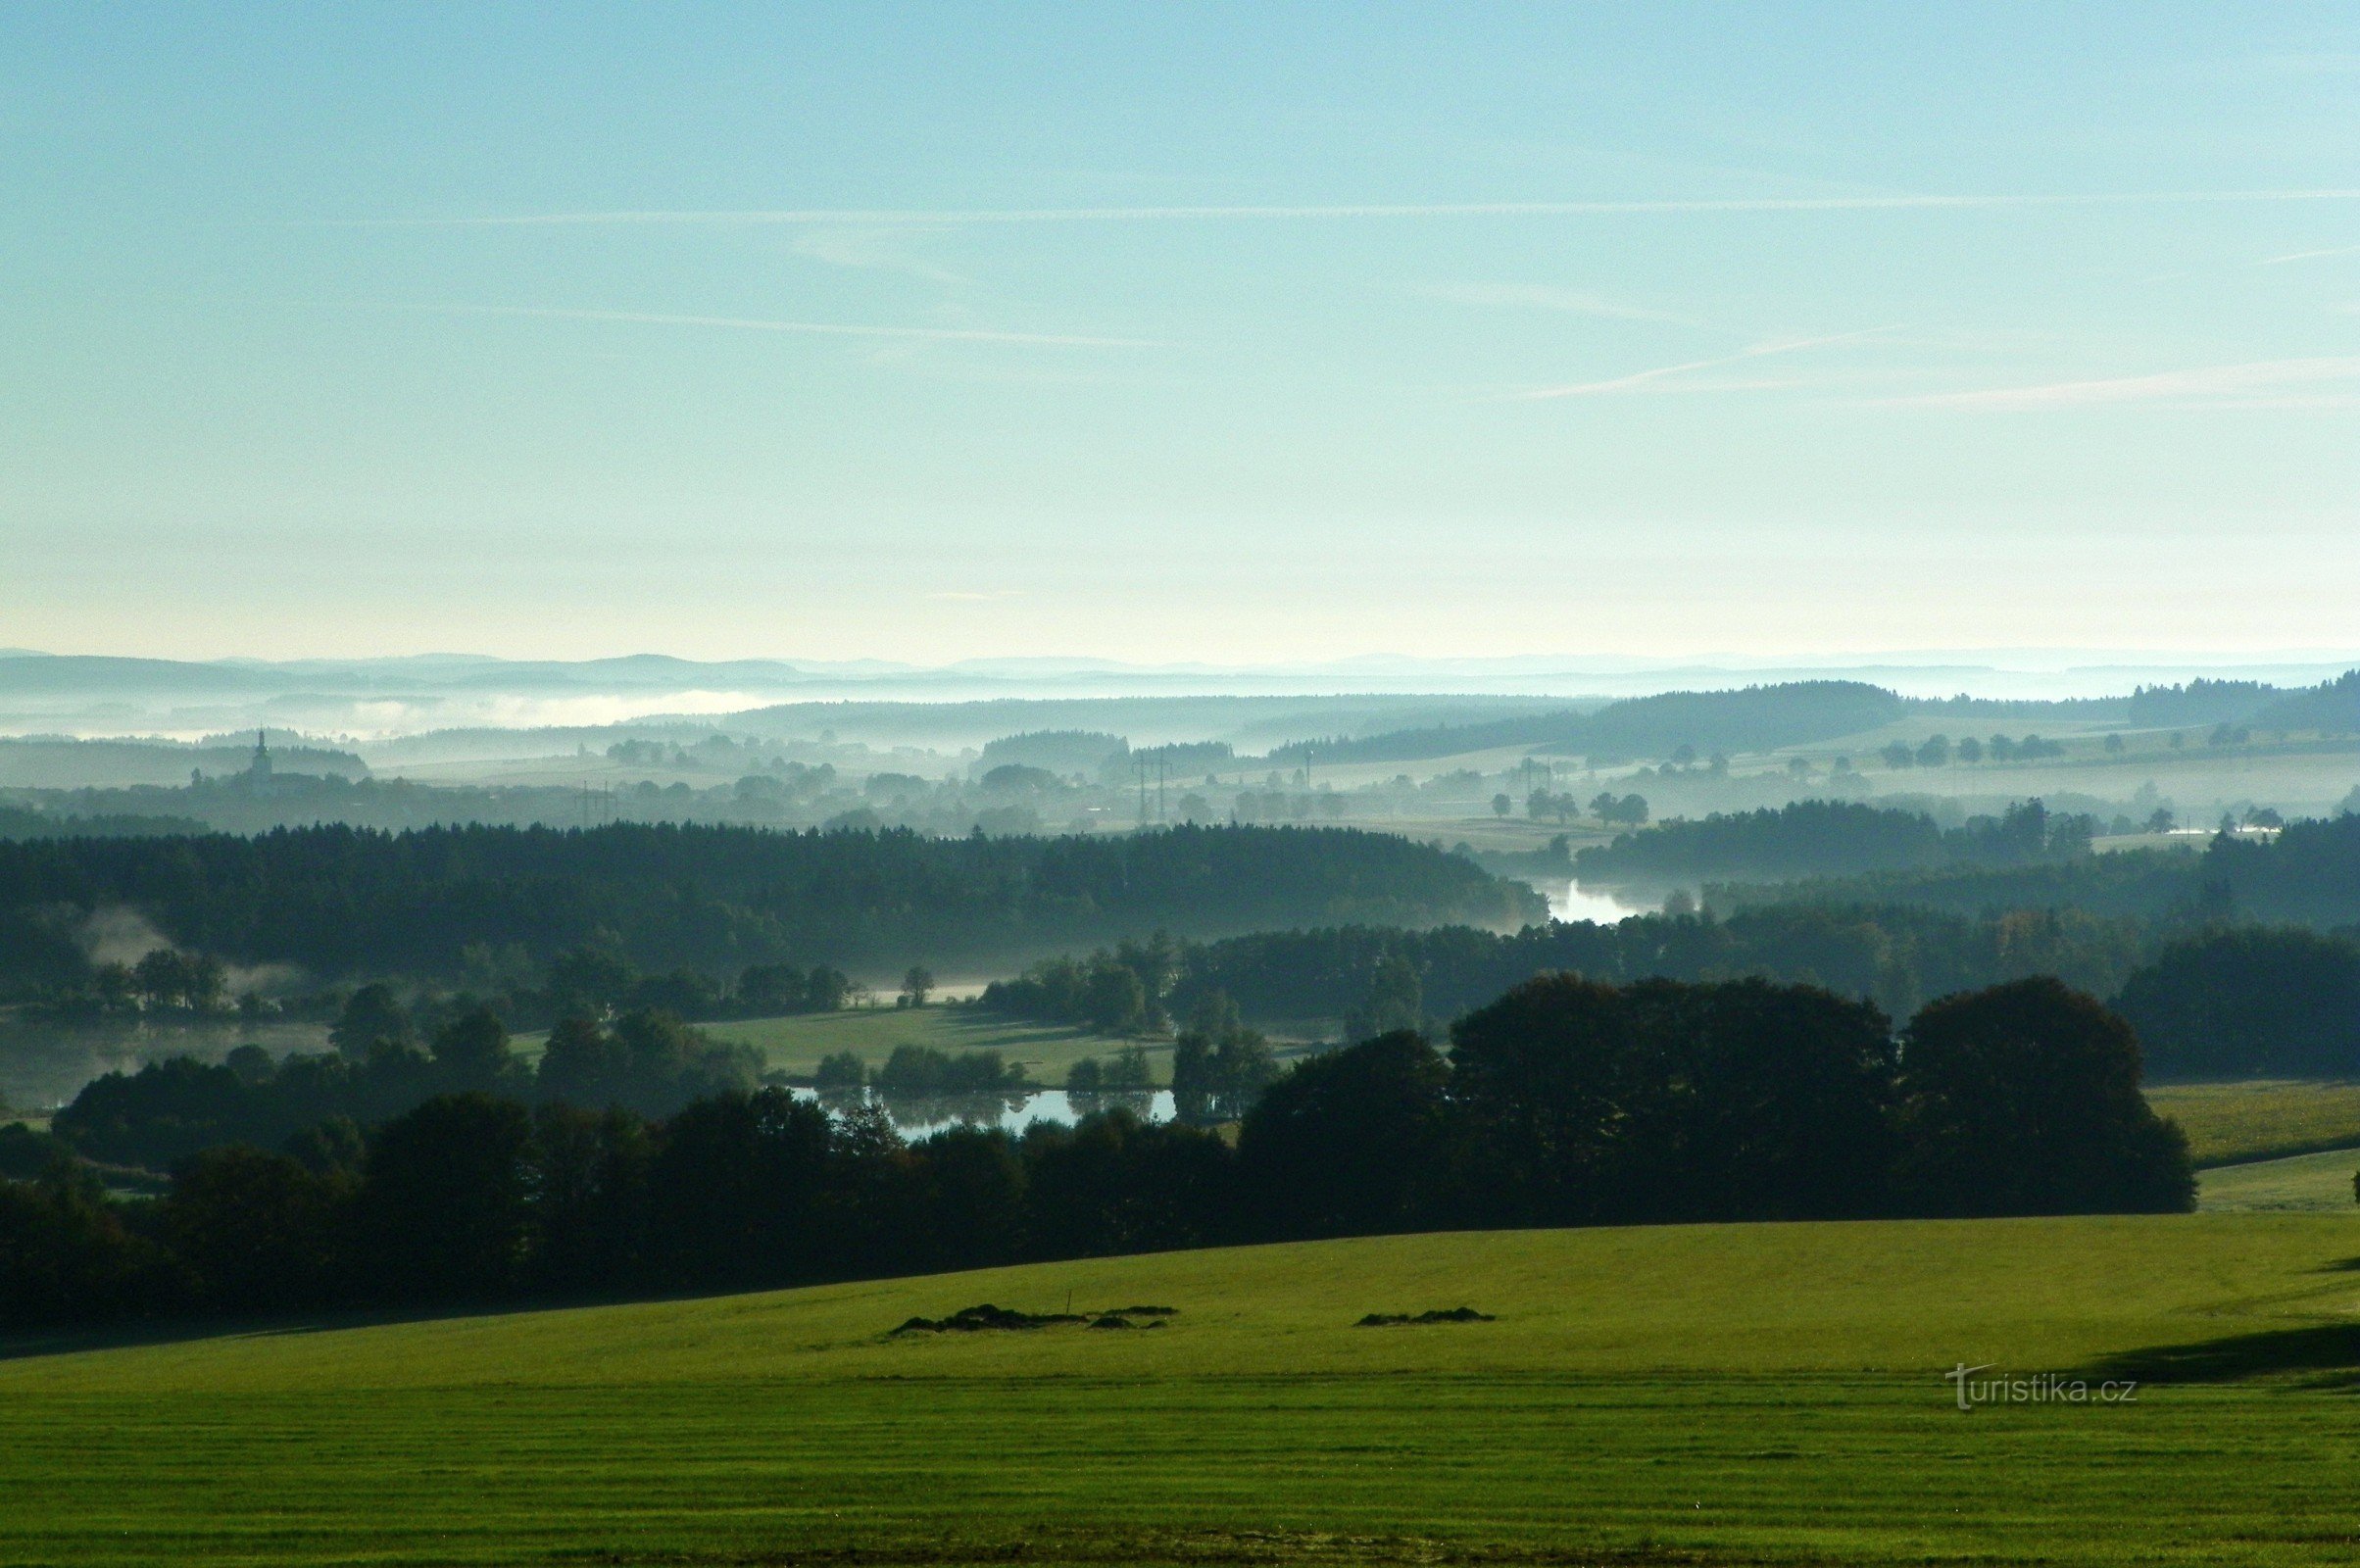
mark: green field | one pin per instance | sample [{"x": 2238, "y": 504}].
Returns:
[
  {"x": 1689, "y": 1395},
  {"x": 2262, "y": 1119},
  {"x": 2299, "y": 1184},
  {"x": 795, "y": 1043}
]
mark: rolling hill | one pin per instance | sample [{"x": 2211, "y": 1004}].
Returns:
[{"x": 1690, "y": 1394}]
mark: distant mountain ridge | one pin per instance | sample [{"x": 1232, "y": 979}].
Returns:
[
  {"x": 1388, "y": 708},
  {"x": 1765, "y": 717},
  {"x": 1754, "y": 719}
]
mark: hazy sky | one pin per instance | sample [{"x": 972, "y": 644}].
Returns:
[{"x": 1178, "y": 332}]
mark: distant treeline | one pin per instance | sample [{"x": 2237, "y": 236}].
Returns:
[
  {"x": 1800, "y": 713},
  {"x": 22, "y": 822},
  {"x": 1757, "y": 719},
  {"x": 2209, "y": 1000},
  {"x": 338, "y": 900},
  {"x": 58, "y": 762},
  {"x": 1564, "y": 1102},
  {"x": 648, "y": 1062},
  {"x": 1370, "y": 976},
  {"x": 2307, "y": 873},
  {"x": 1827, "y": 838},
  {"x": 2200, "y": 701},
  {"x": 234, "y": 804},
  {"x": 2249, "y": 1002},
  {"x": 1105, "y": 759},
  {"x": 2332, "y": 708}
]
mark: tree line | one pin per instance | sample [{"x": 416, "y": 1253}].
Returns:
[
  {"x": 344, "y": 902},
  {"x": 647, "y": 1062},
  {"x": 1899, "y": 958},
  {"x": 2249, "y": 1002},
  {"x": 1757, "y": 719},
  {"x": 2307, "y": 873},
  {"x": 1829, "y": 838},
  {"x": 2211, "y": 998},
  {"x": 2213, "y": 1001},
  {"x": 1564, "y": 1102}
]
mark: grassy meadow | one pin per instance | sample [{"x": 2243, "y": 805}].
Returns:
[
  {"x": 2260, "y": 1118},
  {"x": 2299, "y": 1184},
  {"x": 796, "y": 1043},
  {"x": 1689, "y": 1395}
]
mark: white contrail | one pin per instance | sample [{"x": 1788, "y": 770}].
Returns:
[
  {"x": 945, "y": 334},
  {"x": 2256, "y": 381},
  {"x": 2308, "y": 256},
  {"x": 1757, "y": 351},
  {"x": 1080, "y": 215}
]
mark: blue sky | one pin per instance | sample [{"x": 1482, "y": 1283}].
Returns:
[{"x": 1240, "y": 334}]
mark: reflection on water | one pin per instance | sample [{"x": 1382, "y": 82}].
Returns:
[
  {"x": 1570, "y": 901},
  {"x": 45, "y": 1066},
  {"x": 921, "y": 1115}
]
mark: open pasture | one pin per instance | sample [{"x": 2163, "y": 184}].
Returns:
[
  {"x": 1689, "y": 1395},
  {"x": 794, "y": 1043},
  {"x": 2296, "y": 1183},
  {"x": 2261, "y": 1119}
]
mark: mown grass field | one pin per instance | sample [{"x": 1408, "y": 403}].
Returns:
[
  {"x": 1689, "y": 1395},
  {"x": 2262, "y": 1119},
  {"x": 2299, "y": 1184},
  {"x": 796, "y": 1043}
]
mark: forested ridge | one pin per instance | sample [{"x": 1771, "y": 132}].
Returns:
[
  {"x": 338, "y": 900},
  {"x": 2307, "y": 873},
  {"x": 1829, "y": 838},
  {"x": 2210, "y": 998},
  {"x": 1899, "y": 958},
  {"x": 1755, "y": 719}
]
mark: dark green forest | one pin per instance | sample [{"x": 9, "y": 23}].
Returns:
[
  {"x": 1827, "y": 838},
  {"x": 340, "y": 901},
  {"x": 1563, "y": 1102},
  {"x": 1898, "y": 958},
  {"x": 2308, "y": 873},
  {"x": 22, "y": 822},
  {"x": 2249, "y": 1002},
  {"x": 2210, "y": 1001}
]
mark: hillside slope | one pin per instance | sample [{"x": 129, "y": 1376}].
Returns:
[{"x": 1691, "y": 1394}]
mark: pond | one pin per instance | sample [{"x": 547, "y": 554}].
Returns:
[
  {"x": 43, "y": 1065},
  {"x": 921, "y": 1115}
]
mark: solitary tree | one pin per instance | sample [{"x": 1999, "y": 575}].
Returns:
[
  {"x": 372, "y": 1014},
  {"x": 471, "y": 1050},
  {"x": 918, "y": 985}
]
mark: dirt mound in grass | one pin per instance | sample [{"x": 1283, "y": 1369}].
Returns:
[{"x": 987, "y": 1317}]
